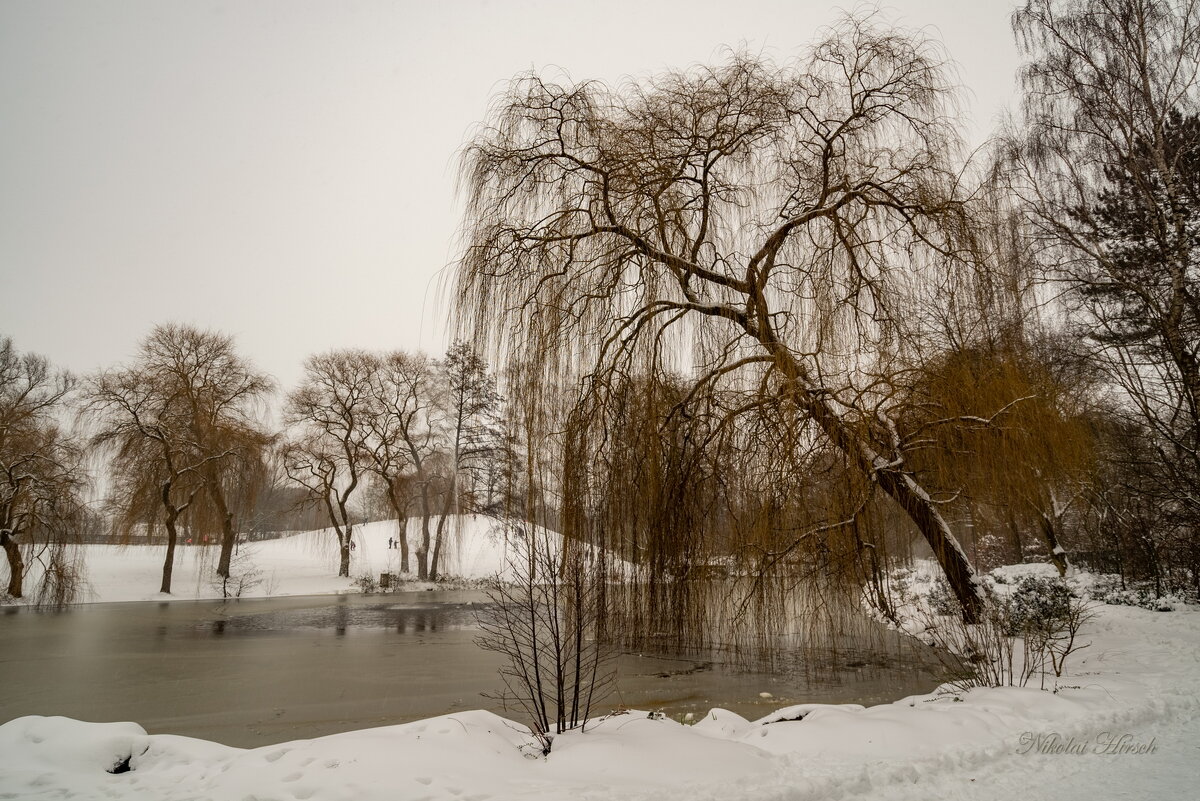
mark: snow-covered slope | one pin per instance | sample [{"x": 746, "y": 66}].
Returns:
[{"x": 300, "y": 564}]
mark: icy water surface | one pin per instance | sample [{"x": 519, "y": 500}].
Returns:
[{"x": 250, "y": 673}]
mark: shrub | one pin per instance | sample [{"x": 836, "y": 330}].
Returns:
[
  {"x": 1108, "y": 589},
  {"x": 544, "y": 623},
  {"x": 1038, "y": 603},
  {"x": 1046, "y": 613},
  {"x": 1029, "y": 633},
  {"x": 367, "y": 584},
  {"x": 941, "y": 599},
  {"x": 243, "y": 577}
]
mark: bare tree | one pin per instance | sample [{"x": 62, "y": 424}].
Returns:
[
  {"x": 400, "y": 440},
  {"x": 330, "y": 409},
  {"x": 783, "y": 221},
  {"x": 544, "y": 619},
  {"x": 41, "y": 478}
]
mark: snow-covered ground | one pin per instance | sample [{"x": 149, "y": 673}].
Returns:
[
  {"x": 301, "y": 564},
  {"x": 1122, "y": 725}
]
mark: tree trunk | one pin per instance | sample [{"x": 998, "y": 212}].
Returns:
[
  {"x": 1058, "y": 556},
  {"x": 172, "y": 515},
  {"x": 423, "y": 548},
  {"x": 435, "y": 563},
  {"x": 16, "y": 565},
  {"x": 228, "y": 540},
  {"x": 1014, "y": 530},
  {"x": 227, "y": 534},
  {"x": 949, "y": 554},
  {"x": 402, "y": 537},
  {"x": 401, "y": 510},
  {"x": 345, "y": 541},
  {"x": 859, "y": 447},
  {"x": 169, "y": 562}
]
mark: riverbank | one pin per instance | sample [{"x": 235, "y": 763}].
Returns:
[{"x": 1122, "y": 724}]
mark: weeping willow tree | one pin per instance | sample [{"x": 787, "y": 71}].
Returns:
[
  {"x": 717, "y": 506},
  {"x": 42, "y": 480},
  {"x": 768, "y": 231},
  {"x": 181, "y": 425}
]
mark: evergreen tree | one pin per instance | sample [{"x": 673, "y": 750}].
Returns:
[
  {"x": 1143, "y": 289},
  {"x": 472, "y": 438}
]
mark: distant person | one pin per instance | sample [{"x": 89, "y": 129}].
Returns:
[
  {"x": 352, "y": 545},
  {"x": 389, "y": 543}
]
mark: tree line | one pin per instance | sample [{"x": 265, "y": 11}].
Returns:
[{"x": 185, "y": 453}]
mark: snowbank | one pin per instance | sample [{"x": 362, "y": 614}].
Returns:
[
  {"x": 1123, "y": 724},
  {"x": 300, "y": 564}
]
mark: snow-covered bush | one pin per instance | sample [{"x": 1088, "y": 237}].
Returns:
[
  {"x": 991, "y": 550},
  {"x": 1108, "y": 589},
  {"x": 900, "y": 581},
  {"x": 941, "y": 599},
  {"x": 1029, "y": 629},
  {"x": 367, "y": 584},
  {"x": 1039, "y": 602},
  {"x": 1045, "y": 612}
]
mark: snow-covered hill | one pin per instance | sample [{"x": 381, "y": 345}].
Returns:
[{"x": 300, "y": 564}]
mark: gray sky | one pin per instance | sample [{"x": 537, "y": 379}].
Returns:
[{"x": 283, "y": 171}]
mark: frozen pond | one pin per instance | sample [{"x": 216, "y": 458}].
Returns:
[{"x": 255, "y": 672}]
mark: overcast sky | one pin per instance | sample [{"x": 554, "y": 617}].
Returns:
[{"x": 284, "y": 171}]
